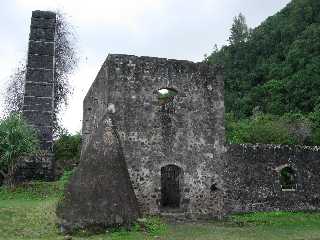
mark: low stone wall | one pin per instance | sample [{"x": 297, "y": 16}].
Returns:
[{"x": 252, "y": 178}]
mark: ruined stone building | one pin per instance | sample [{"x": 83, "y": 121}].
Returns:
[
  {"x": 173, "y": 143},
  {"x": 169, "y": 115}
]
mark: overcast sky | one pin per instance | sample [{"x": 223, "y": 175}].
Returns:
[{"x": 180, "y": 29}]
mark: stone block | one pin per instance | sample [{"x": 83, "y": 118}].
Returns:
[
  {"x": 43, "y": 22},
  {"x": 39, "y": 89},
  {"x": 45, "y": 34},
  {"x": 43, "y": 14},
  {"x": 38, "y": 118},
  {"x": 40, "y": 61},
  {"x": 39, "y": 75},
  {"x": 38, "y": 167},
  {"x": 37, "y": 104},
  {"x": 45, "y": 133},
  {"x": 41, "y": 48}
]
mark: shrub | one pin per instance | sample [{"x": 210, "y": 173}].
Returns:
[
  {"x": 290, "y": 128},
  {"x": 152, "y": 225},
  {"x": 17, "y": 140},
  {"x": 315, "y": 120},
  {"x": 299, "y": 127},
  {"x": 316, "y": 136},
  {"x": 67, "y": 152},
  {"x": 261, "y": 128}
]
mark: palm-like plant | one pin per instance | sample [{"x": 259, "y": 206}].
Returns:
[{"x": 17, "y": 140}]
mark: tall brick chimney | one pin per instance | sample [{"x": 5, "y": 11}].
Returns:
[{"x": 38, "y": 107}]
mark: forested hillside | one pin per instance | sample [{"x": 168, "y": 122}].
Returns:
[{"x": 272, "y": 77}]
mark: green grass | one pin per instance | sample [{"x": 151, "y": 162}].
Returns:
[{"x": 29, "y": 213}]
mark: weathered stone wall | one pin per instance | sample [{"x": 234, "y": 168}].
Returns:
[
  {"x": 252, "y": 178},
  {"x": 190, "y": 135},
  {"x": 38, "y": 105},
  {"x": 215, "y": 180}
]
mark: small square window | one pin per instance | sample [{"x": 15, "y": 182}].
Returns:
[{"x": 288, "y": 179}]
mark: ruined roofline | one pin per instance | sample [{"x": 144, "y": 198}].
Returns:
[
  {"x": 216, "y": 67},
  {"x": 114, "y": 56},
  {"x": 43, "y": 14},
  {"x": 158, "y": 59},
  {"x": 275, "y": 146}
]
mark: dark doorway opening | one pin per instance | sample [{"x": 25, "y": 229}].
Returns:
[{"x": 170, "y": 186}]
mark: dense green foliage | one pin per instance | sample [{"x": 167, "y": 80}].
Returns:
[
  {"x": 274, "y": 68},
  {"x": 17, "y": 140},
  {"x": 290, "y": 128},
  {"x": 67, "y": 152}
]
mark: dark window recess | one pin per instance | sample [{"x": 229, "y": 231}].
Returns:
[
  {"x": 287, "y": 178},
  {"x": 170, "y": 186},
  {"x": 214, "y": 187}
]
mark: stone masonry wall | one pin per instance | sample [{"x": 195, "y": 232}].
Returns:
[
  {"x": 215, "y": 180},
  {"x": 38, "y": 104},
  {"x": 252, "y": 177},
  {"x": 190, "y": 135}
]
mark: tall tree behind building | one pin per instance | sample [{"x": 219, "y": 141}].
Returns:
[
  {"x": 239, "y": 30},
  {"x": 276, "y": 69}
]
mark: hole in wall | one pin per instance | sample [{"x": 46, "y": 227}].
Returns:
[
  {"x": 213, "y": 188},
  {"x": 287, "y": 179},
  {"x": 166, "y": 95}
]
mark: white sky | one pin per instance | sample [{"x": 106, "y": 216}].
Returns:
[{"x": 181, "y": 29}]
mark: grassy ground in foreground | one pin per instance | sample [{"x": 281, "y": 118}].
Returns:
[{"x": 29, "y": 214}]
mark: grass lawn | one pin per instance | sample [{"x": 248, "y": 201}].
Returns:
[{"x": 29, "y": 214}]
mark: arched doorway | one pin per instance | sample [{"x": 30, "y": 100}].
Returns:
[{"x": 170, "y": 186}]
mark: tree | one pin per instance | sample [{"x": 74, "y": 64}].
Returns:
[
  {"x": 15, "y": 90},
  {"x": 261, "y": 128},
  {"x": 17, "y": 140},
  {"x": 239, "y": 30},
  {"x": 276, "y": 65},
  {"x": 66, "y": 60}
]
